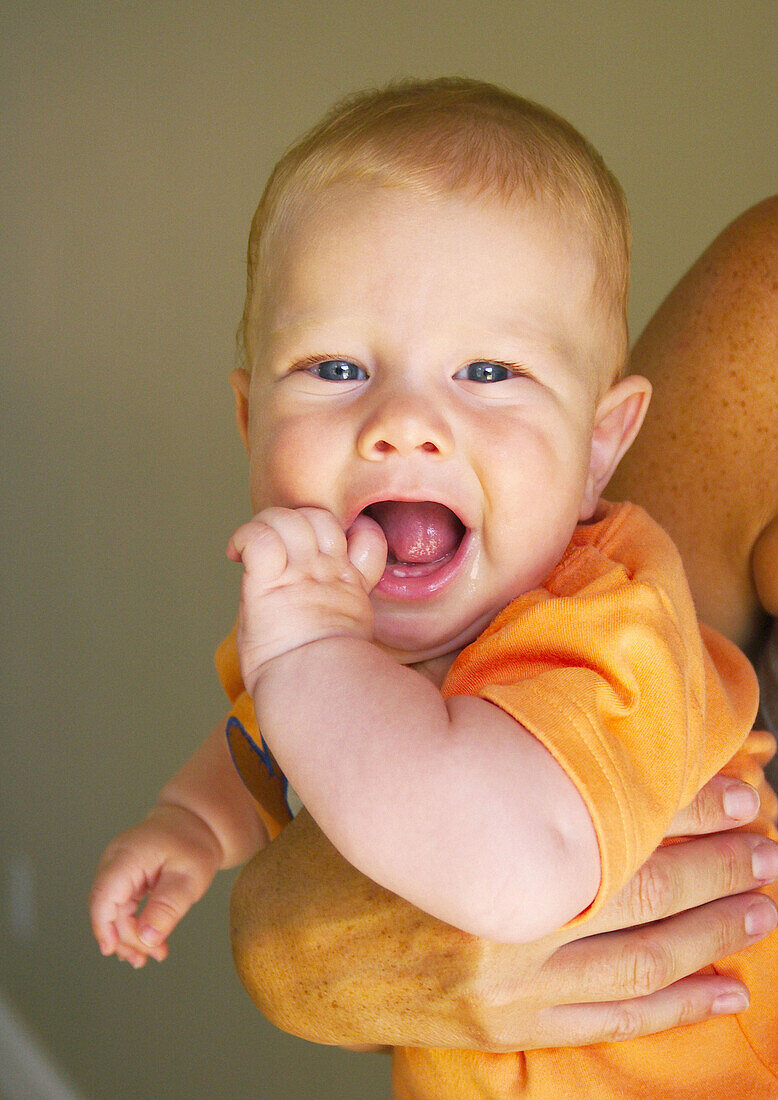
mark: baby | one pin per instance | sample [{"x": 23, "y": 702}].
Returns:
[{"x": 486, "y": 684}]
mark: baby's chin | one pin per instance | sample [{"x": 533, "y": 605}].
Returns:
[{"x": 412, "y": 646}]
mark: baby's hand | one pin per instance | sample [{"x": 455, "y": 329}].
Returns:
[
  {"x": 304, "y": 580},
  {"x": 170, "y": 859}
]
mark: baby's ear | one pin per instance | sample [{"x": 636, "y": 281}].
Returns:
[
  {"x": 617, "y": 421},
  {"x": 240, "y": 381}
]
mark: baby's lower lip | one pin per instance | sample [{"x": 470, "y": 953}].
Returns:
[{"x": 420, "y": 580}]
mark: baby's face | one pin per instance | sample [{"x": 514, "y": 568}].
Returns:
[{"x": 435, "y": 362}]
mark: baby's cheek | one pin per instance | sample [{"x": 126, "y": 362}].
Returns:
[{"x": 284, "y": 467}]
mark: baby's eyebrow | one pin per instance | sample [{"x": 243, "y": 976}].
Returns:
[
  {"x": 312, "y": 330},
  {"x": 511, "y": 342},
  {"x": 528, "y": 333}
]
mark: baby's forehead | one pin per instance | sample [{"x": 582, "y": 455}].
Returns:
[
  {"x": 387, "y": 211},
  {"x": 351, "y": 233},
  {"x": 306, "y": 201}
]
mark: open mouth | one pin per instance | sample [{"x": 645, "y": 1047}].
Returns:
[{"x": 423, "y": 539}]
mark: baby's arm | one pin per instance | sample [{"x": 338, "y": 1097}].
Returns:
[
  {"x": 204, "y": 821},
  {"x": 448, "y": 803}
]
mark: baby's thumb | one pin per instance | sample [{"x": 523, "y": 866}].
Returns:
[
  {"x": 367, "y": 549},
  {"x": 169, "y": 901}
]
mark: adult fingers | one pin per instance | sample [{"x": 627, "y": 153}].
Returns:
[
  {"x": 723, "y": 803},
  {"x": 683, "y": 876},
  {"x": 685, "y": 1002},
  {"x": 638, "y": 962}
]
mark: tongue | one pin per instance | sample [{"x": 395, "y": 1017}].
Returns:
[{"x": 417, "y": 531}]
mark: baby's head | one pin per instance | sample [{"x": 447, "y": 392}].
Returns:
[{"x": 434, "y": 329}]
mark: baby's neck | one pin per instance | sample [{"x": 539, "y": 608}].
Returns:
[{"x": 435, "y": 668}]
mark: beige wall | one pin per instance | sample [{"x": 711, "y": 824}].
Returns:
[{"x": 136, "y": 139}]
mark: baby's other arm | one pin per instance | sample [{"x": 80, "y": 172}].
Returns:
[
  {"x": 449, "y": 803},
  {"x": 204, "y": 820}
]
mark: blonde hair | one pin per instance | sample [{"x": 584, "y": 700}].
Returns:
[{"x": 450, "y": 135}]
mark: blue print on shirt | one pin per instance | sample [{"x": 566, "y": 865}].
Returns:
[{"x": 262, "y": 751}]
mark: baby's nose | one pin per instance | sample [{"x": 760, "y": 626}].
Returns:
[{"x": 403, "y": 425}]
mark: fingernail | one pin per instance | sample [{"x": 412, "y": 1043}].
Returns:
[
  {"x": 761, "y": 918},
  {"x": 730, "y": 1002},
  {"x": 741, "y": 803},
  {"x": 764, "y": 862},
  {"x": 150, "y": 936}
]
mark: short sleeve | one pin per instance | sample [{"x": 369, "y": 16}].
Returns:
[{"x": 607, "y": 667}]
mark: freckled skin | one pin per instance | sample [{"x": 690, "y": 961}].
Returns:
[{"x": 706, "y": 461}]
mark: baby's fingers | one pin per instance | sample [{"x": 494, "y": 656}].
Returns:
[
  {"x": 367, "y": 549},
  {"x": 113, "y": 902},
  {"x": 329, "y": 536},
  {"x": 113, "y": 892},
  {"x": 129, "y": 947},
  {"x": 260, "y": 548},
  {"x": 170, "y": 900}
]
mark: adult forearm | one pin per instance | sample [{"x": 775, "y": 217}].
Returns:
[{"x": 328, "y": 955}]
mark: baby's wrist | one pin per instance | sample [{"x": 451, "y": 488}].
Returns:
[
  {"x": 188, "y": 826},
  {"x": 273, "y": 666}
]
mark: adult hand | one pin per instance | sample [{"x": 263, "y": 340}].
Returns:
[{"x": 328, "y": 955}]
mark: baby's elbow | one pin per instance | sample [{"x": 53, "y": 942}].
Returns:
[
  {"x": 566, "y": 881},
  {"x": 543, "y": 895}
]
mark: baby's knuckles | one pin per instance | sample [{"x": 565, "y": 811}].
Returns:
[{"x": 295, "y": 592}]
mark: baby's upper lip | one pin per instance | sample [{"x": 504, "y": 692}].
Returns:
[{"x": 460, "y": 511}]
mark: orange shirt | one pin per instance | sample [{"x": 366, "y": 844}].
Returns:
[{"x": 606, "y": 665}]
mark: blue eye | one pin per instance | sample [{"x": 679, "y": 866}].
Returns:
[
  {"x": 485, "y": 372},
  {"x": 337, "y": 370}
]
